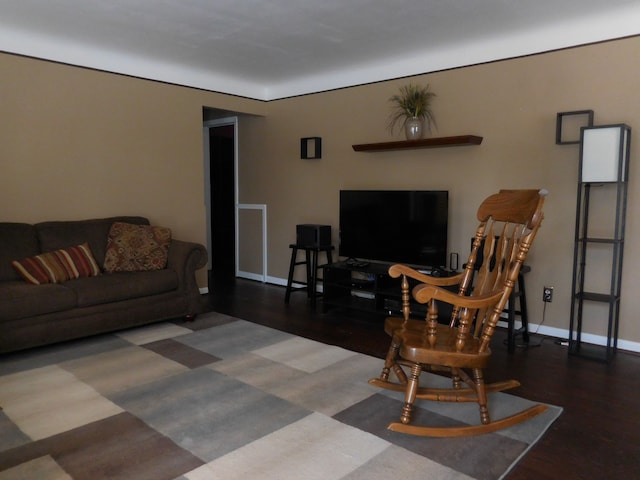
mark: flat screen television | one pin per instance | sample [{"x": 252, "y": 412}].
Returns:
[{"x": 395, "y": 226}]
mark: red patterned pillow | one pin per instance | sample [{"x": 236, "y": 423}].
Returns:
[
  {"x": 136, "y": 248},
  {"x": 58, "y": 266}
]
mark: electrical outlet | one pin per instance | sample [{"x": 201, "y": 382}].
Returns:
[{"x": 547, "y": 294}]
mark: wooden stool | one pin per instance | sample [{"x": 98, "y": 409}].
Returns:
[
  {"x": 518, "y": 293},
  {"x": 311, "y": 262}
]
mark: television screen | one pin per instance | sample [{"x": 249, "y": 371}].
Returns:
[{"x": 395, "y": 226}]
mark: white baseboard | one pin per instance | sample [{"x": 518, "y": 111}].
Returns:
[
  {"x": 281, "y": 281},
  {"x": 251, "y": 276},
  {"x": 586, "y": 337}
]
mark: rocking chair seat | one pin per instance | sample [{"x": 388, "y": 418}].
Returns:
[
  {"x": 391, "y": 324},
  {"x": 415, "y": 348}
]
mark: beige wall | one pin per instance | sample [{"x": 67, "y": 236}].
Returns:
[
  {"x": 77, "y": 143},
  {"x": 512, "y": 104}
]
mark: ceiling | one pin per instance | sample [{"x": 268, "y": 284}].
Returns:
[{"x": 270, "y": 49}]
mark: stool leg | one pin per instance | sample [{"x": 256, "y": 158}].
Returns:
[
  {"x": 511, "y": 319},
  {"x": 314, "y": 277},
  {"x": 523, "y": 309},
  {"x": 292, "y": 265},
  {"x": 308, "y": 255},
  {"x": 327, "y": 251}
]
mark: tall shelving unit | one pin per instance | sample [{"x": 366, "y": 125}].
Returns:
[{"x": 603, "y": 181}]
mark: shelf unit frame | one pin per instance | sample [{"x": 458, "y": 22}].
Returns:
[{"x": 584, "y": 243}]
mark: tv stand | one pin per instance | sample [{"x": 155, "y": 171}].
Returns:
[{"x": 366, "y": 287}]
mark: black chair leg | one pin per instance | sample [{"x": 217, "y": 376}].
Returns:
[
  {"x": 511, "y": 320},
  {"x": 523, "y": 309},
  {"x": 292, "y": 266},
  {"x": 313, "y": 271},
  {"x": 511, "y": 316}
]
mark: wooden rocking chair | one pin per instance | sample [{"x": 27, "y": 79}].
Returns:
[{"x": 509, "y": 221}]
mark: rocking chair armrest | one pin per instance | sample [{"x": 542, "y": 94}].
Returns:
[
  {"x": 424, "y": 293},
  {"x": 399, "y": 269}
]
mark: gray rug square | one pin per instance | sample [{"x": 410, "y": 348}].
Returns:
[
  {"x": 399, "y": 463},
  {"x": 52, "y": 354},
  {"x": 10, "y": 435},
  {"x": 316, "y": 447},
  {"x": 335, "y": 385},
  {"x": 233, "y": 338},
  {"x": 208, "y": 413}
]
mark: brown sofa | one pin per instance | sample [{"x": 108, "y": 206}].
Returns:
[{"x": 34, "y": 315}]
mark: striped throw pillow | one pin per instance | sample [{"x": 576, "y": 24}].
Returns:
[{"x": 58, "y": 266}]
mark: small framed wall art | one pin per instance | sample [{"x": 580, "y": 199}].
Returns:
[
  {"x": 568, "y": 125},
  {"x": 310, "y": 148}
]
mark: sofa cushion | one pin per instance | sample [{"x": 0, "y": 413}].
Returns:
[
  {"x": 17, "y": 240},
  {"x": 21, "y": 300},
  {"x": 114, "y": 287},
  {"x": 136, "y": 248},
  {"x": 62, "y": 234},
  {"x": 58, "y": 266}
]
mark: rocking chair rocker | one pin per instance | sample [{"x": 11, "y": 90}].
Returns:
[{"x": 509, "y": 221}]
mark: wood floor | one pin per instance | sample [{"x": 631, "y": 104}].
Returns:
[{"x": 597, "y": 435}]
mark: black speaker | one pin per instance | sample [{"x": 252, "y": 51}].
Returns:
[{"x": 313, "y": 235}]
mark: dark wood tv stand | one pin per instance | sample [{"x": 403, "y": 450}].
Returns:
[{"x": 363, "y": 287}]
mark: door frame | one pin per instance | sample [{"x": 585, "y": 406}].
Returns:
[
  {"x": 237, "y": 206},
  {"x": 207, "y": 125}
]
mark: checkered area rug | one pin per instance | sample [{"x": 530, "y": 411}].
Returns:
[{"x": 223, "y": 398}]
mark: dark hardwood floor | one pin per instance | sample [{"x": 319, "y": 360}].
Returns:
[{"x": 597, "y": 435}]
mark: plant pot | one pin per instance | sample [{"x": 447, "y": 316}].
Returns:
[{"x": 414, "y": 128}]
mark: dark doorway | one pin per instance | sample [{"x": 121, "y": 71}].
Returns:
[{"x": 222, "y": 181}]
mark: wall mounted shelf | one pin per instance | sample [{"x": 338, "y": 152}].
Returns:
[{"x": 438, "y": 142}]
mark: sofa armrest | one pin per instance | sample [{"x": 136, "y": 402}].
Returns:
[{"x": 185, "y": 258}]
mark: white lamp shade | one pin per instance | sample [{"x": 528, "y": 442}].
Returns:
[{"x": 604, "y": 153}]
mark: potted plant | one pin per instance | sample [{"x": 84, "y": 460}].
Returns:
[{"x": 412, "y": 108}]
